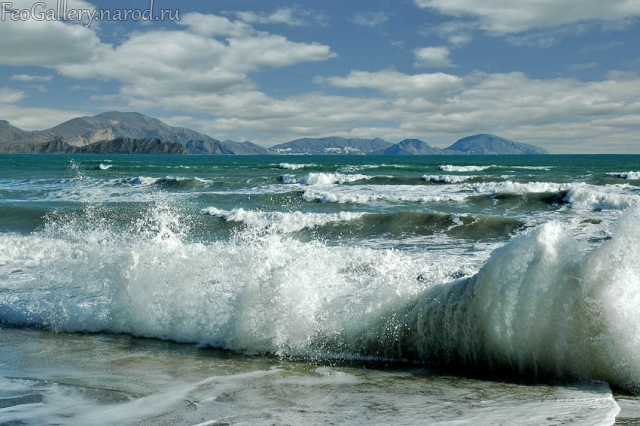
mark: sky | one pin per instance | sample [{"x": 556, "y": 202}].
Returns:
[{"x": 561, "y": 74}]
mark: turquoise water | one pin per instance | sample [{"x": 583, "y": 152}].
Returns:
[{"x": 313, "y": 289}]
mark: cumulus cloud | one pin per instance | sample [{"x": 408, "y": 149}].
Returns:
[
  {"x": 9, "y": 96},
  {"x": 47, "y": 43},
  {"x": 398, "y": 84},
  {"x": 456, "y": 33},
  {"x": 559, "y": 114},
  {"x": 433, "y": 57},
  {"x": 287, "y": 16},
  {"x": 509, "y": 17},
  {"x": 211, "y": 54},
  {"x": 204, "y": 68},
  {"x": 31, "y": 78},
  {"x": 370, "y": 19},
  {"x": 35, "y": 118},
  {"x": 215, "y": 26}
]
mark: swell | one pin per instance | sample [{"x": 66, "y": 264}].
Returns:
[{"x": 364, "y": 225}]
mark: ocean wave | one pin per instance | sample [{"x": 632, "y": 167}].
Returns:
[
  {"x": 374, "y": 194},
  {"x": 542, "y": 305},
  {"x": 447, "y": 178},
  {"x": 324, "y": 178},
  {"x": 289, "y": 166},
  {"x": 451, "y": 168},
  {"x": 589, "y": 197},
  {"x": 358, "y": 167},
  {"x": 627, "y": 175},
  {"x": 511, "y": 187},
  {"x": 171, "y": 181},
  {"x": 281, "y": 221}
]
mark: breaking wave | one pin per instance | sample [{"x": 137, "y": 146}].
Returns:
[{"x": 543, "y": 304}]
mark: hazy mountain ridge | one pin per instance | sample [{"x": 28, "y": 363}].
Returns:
[
  {"x": 225, "y": 148},
  {"x": 113, "y": 129},
  {"x": 332, "y": 145},
  {"x": 486, "y": 144},
  {"x": 412, "y": 147}
]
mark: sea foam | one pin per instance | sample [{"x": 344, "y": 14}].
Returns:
[{"x": 544, "y": 304}]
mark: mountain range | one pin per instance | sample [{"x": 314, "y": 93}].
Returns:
[{"x": 132, "y": 132}]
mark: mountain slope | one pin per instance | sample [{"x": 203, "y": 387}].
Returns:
[
  {"x": 114, "y": 146},
  {"x": 11, "y": 135},
  {"x": 225, "y": 148},
  {"x": 486, "y": 144},
  {"x": 133, "y": 146},
  {"x": 332, "y": 145},
  {"x": 111, "y": 125},
  {"x": 412, "y": 147}
]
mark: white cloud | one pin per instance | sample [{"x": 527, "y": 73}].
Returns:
[
  {"x": 455, "y": 32},
  {"x": 510, "y": 17},
  {"x": 10, "y": 96},
  {"x": 215, "y": 26},
  {"x": 285, "y": 16},
  {"x": 46, "y": 44},
  {"x": 160, "y": 63},
  {"x": 370, "y": 19},
  {"x": 582, "y": 67},
  {"x": 433, "y": 57},
  {"x": 34, "y": 118},
  {"x": 398, "y": 84},
  {"x": 31, "y": 78}
]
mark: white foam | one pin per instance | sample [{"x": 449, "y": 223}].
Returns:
[
  {"x": 447, "y": 178},
  {"x": 364, "y": 194},
  {"x": 510, "y": 187},
  {"x": 289, "y": 166},
  {"x": 281, "y": 221},
  {"x": 611, "y": 197},
  {"x": 450, "y": 168},
  {"x": 630, "y": 175},
  {"x": 542, "y": 304},
  {"x": 105, "y": 166},
  {"x": 325, "y": 178},
  {"x": 258, "y": 292}
]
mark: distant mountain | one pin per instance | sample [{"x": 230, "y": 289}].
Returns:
[
  {"x": 11, "y": 135},
  {"x": 112, "y": 125},
  {"x": 116, "y": 131},
  {"x": 133, "y": 146},
  {"x": 332, "y": 145},
  {"x": 485, "y": 144},
  {"x": 51, "y": 147},
  {"x": 114, "y": 146},
  {"x": 226, "y": 147},
  {"x": 412, "y": 147}
]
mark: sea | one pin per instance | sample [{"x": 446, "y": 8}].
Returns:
[{"x": 345, "y": 290}]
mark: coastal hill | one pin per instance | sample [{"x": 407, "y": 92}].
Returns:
[
  {"x": 114, "y": 146},
  {"x": 132, "y": 132},
  {"x": 111, "y": 126},
  {"x": 331, "y": 145},
  {"x": 412, "y": 147},
  {"x": 484, "y": 144}
]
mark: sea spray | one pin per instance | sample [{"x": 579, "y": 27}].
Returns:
[{"x": 542, "y": 305}]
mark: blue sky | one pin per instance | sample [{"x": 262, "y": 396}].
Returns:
[{"x": 562, "y": 74}]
